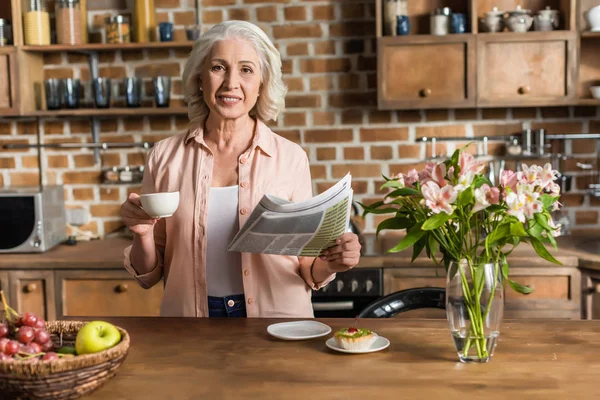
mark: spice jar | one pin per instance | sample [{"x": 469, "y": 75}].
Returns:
[
  {"x": 36, "y": 23},
  {"x": 118, "y": 29},
  {"x": 440, "y": 21},
  {"x": 68, "y": 22},
  {"x": 5, "y": 32}
]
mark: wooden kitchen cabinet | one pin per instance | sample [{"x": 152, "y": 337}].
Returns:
[
  {"x": 33, "y": 291},
  {"x": 4, "y": 286},
  {"x": 426, "y": 72},
  {"x": 532, "y": 69},
  {"x": 8, "y": 81},
  {"x": 105, "y": 293},
  {"x": 590, "y": 289},
  {"x": 556, "y": 292}
]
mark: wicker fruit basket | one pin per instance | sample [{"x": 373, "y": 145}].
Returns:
[{"x": 66, "y": 378}]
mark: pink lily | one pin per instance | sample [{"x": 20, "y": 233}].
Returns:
[{"x": 439, "y": 199}]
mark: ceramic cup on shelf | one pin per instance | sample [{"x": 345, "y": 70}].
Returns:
[
  {"x": 192, "y": 32},
  {"x": 493, "y": 21},
  {"x": 458, "y": 23},
  {"x": 519, "y": 20},
  {"x": 165, "y": 31},
  {"x": 595, "y": 90},
  {"x": 593, "y": 18},
  {"x": 541, "y": 24},
  {"x": 551, "y": 15},
  {"x": 403, "y": 25}
]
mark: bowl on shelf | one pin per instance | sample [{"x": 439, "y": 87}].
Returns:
[
  {"x": 595, "y": 92},
  {"x": 593, "y": 18}
]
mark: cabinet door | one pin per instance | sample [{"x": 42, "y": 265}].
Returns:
[
  {"x": 33, "y": 291},
  {"x": 557, "y": 293},
  {"x": 396, "y": 279},
  {"x": 8, "y": 81},
  {"x": 426, "y": 72},
  {"x": 105, "y": 294},
  {"x": 536, "y": 68}
]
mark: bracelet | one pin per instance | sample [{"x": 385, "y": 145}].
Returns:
[{"x": 311, "y": 269}]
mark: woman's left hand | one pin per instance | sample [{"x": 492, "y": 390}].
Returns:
[{"x": 344, "y": 255}]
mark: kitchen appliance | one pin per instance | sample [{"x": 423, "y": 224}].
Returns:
[
  {"x": 349, "y": 293},
  {"x": 32, "y": 220}
]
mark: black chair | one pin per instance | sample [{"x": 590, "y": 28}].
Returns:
[{"x": 405, "y": 300}]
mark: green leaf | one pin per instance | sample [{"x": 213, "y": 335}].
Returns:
[
  {"x": 517, "y": 229},
  {"x": 535, "y": 230},
  {"x": 418, "y": 248},
  {"x": 404, "y": 192},
  {"x": 548, "y": 200},
  {"x": 412, "y": 236},
  {"x": 501, "y": 232},
  {"x": 392, "y": 184},
  {"x": 480, "y": 180},
  {"x": 542, "y": 220},
  {"x": 517, "y": 287},
  {"x": 379, "y": 211},
  {"x": 395, "y": 223},
  {"x": 539, "y": 248},
  {"x": 433, "y": 247},
  {"x": 466, "y": 197},
  {"x": 494, "y": 208},
  {"x": 435, "y": 221}
]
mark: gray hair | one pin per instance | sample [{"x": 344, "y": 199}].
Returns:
[{"x": 273, "y": 90}]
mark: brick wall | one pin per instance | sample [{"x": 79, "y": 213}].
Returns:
[{"x": 328, "y": 50}]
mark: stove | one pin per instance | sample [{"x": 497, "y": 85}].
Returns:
[{"x": 349, "y": 293}]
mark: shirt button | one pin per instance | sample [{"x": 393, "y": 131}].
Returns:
[
  {"x": 250, "y": 300},
  {"x": 243, "y": 211},
  {"x": 244, "y": 184},
  {"x": 246, "y": 272},
  {"x": 243, "y": 160},
  {"x": 205, "y": 176},
  {"x": 230, "y": 303}
]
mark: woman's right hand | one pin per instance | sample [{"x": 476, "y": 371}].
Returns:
[{"x": 135, "y": 217}]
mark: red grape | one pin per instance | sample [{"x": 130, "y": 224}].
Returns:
[
  {"x": 35, "y": 347},
  {"x": 42, "y": 336},
  {"x": 5, "y": 357},
  {"x": 19, "y": 322},
  {"x": 30, "y": 319},
  {"x": 12, "y": 348},
  {"x": 3, "y": 342},
  {"x": 48, "y": 346},
  {"x": 25, "y": 334},
  {"x": 4, "y": 331},
  {"x": 40, "y": 324},
  {"x": 50, "y": 356}
]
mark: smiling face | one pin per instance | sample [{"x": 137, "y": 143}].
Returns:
[{"x": 231, "y": 78}]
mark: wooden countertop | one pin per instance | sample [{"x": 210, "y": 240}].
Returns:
[
  {"x": 108, "y": 253},
  {"x": 193, "y": 358}
]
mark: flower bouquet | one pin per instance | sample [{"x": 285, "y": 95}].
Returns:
[{"x": 453, "y": 212}]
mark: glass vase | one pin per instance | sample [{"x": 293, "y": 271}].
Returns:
[{"x": 474, "y": 307}]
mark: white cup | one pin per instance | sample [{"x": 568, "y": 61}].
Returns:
[{"x": 160, "y": 205}]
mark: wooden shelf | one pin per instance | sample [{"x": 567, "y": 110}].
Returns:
[
  {"x": 109, "y": 112},
  {"x": 588, "y": 102},
  {"x": 108, "y": 47},
  {"x": 590, "y": 34}
]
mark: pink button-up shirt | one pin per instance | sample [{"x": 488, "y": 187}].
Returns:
[{"x": 274, "y": 285}]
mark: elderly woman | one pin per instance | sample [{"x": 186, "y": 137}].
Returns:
[{"x": 222, "y": 166}]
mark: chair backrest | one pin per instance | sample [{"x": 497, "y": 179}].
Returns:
[{"x": 405, "y": 300}]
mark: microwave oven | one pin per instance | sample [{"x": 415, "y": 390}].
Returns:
[{"x": 32, "y": 220}]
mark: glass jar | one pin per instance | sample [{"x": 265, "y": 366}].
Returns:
[
  {"x": 5, "y": 32},
  {"x": 68, "y": 22},
  {"x": 36, "y": 23},
  {"x": 118, "y": 29}
]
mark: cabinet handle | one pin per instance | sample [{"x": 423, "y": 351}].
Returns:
[
  {"x": 596, "y": 288},
  {"x": 524, "y": 90},
  {"x": 121, "y": 288},
  {"x": 424, "y": 92},
  {"x": 29, "y": 288}
]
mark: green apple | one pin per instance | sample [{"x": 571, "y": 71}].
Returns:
[{"x": 96, "y": 336}]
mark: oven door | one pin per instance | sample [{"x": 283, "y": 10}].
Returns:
[{"x": 340, "y": 307}]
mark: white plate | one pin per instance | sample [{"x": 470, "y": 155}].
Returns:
[
  {"x": 380, "y": 343},
  {"x": 298, "y": 330}
]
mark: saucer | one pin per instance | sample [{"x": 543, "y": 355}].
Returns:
[
  {"x": 378, "y": 344},
  {"x": 298, "y": 330}
]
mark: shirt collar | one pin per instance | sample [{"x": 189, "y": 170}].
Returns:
[{"x": 263, "y": 137}]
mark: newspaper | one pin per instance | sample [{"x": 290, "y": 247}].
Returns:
[{"x": 278, "y": 226}]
